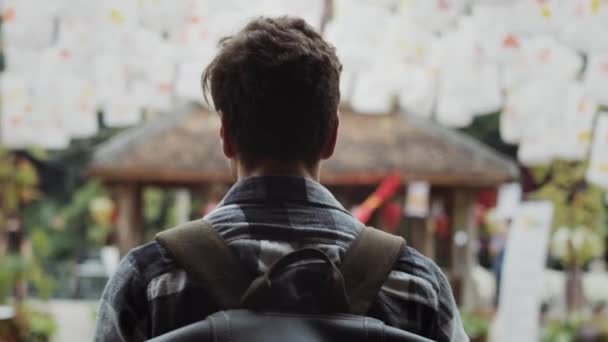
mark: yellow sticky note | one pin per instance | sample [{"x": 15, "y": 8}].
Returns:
[
  {"x": 595, "y": 6},
  {"x": 584, "y": 136},
  {"x": 419, "y": 50},
  {"x": 546, "y": 12},
  {"x": 116, "y": 16}
]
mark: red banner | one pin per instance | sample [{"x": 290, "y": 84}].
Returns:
[{"x": 384, "y": 191}]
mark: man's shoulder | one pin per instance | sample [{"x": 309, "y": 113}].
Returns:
[
  {"x": 149, "y": 261},
  {"x": 413, "y": 262},
  {"x": 417, "y": 275}
]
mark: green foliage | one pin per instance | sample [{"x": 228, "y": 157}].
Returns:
[
  {"x": 12, "y": 268},
  {"x": 562, "y": 331},
  {"x": 485, "y": 128},
  {"x": 38, "y": 326},
  {"x": 475, "y": 325},
  {"x": 60, "y": 229},
  {"x": 576, "y": 203}
]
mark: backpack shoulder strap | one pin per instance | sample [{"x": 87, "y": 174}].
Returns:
[
  {"x": 208, "y": 260},
  {"x": 367, "y": 264}
]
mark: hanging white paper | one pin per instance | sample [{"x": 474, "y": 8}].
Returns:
[
  {"x": 531, "y": 101},
  {"x": 110, "y": 78},
  {"x": 188, "y": 82},
  {"x": 533, "y": 16},
  {"x": 16, "y": 106},
  {"x": 596, "y": 77},
  {"x": 417, "y": 199},
  {"x": 356, "y": 29},
  {"x": 82, "y": 108},
  {"x": 435, "y": 15},
  {"x": 541, "y": 103},
  {"x": 418, "y": 90},
  {"x": 164, "y": 15},
  {"x": 116, "y": 18},
  {"x": 468, "y": 86},
  {"x": 311, "y": 11},
  {"x": 598, "y": 164},
  {"x": 373, "y": 92},
  {"x": 583, "y": 26},
  {"x": 28, "y": 24},
  {"x": 509, "y": 199},
  {"x": 525, "y": 257},
  {"x": 122, "y": 111},
  {"x": 542, "y": 57},
  {"x": 495, "y": 33},
  {"x": 575, "y": 124}
]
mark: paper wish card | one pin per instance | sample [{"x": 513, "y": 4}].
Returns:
[
  {"x": 537, "y": 17},
  {"x": 373, "y": 92},
  {"x": 468, "y": 85},
  {"x": 357, "y": 30},
  {"x": 541, "y": 107},
  {"x": 122, "y": 111},
  {"x": 585, "y": 25},
  {"x": 81, "y": 105},
  {"x": 165, "y": 15},
  {"x": 597, "y": 173},
  {"x": 417, "y": 92},
  {"x": 114, "y": 20},
  {"x": 576, "y": 124},
  {"x": 188, "y": 81},
  {"x": 521, "y": 287},
  {"x": 28, "y": 24},
  {"x": 16, "y": 107},
  {"x": 434, "y": 15},
  {"x": 541, "y": 57},
  {"x": 312, "y": 11},
  {"x": 110, "y": 77},
  {"x": 406, "y": 42},
  {"x": 596, "y": 77},
  {"x": 494, "y": 32},
  {"x": 530, "y": 101}
]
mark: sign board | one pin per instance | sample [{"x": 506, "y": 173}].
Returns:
[{"x": 521, "y": 283}]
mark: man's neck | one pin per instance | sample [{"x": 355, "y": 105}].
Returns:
[{"x": 277, "y": 168}]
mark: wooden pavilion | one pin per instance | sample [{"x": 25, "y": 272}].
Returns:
[{"x": 183, "y": 150}]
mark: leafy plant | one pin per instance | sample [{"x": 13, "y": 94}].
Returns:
[{"x": 475, "y": 325}]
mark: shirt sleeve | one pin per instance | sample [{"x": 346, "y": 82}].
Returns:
[
  {"x": 448, "y": 325},
  {"x": 122, "y": 314}
]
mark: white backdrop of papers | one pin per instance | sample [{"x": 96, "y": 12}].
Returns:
[
  {"x": 68, "y": 59},
  {"x": 542, "y": 64}
]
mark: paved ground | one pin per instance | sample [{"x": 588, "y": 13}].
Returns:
[{"x": 75, "y": 319}]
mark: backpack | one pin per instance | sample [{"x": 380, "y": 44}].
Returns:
[{"x": 304, "y": 296}]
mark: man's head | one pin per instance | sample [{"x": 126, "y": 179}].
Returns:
[{"x": 276, "y": 86}]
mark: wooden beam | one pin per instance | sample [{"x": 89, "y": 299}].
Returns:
[
  {"x": 129, "y": 224},
  {"x": 464, "y": 237}
]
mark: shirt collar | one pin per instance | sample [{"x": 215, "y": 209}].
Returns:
[{"x": 280, "y": 189}]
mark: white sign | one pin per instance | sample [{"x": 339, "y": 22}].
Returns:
[
  {"x": 521, "y": 282},
  {"x": 509, "y": 199},
  {"x": 417, "y": 200},
  {"x": 598, "y": 165}
]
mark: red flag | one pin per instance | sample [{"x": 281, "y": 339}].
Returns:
[{"x": 384, "y": 191}]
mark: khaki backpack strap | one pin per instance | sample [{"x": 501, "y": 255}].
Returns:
[
  {"x": 208, "y": 260},
  {"x": 367, "y": 264}
]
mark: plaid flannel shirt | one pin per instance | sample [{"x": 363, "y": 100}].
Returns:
[{"x": 262, "y": 219}]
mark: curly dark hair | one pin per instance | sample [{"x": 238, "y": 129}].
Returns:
[{"x": 276, "y": 84}]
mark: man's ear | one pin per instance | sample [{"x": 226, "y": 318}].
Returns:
[
  {"x": 329, "y": 148},
  {"x": 227, "y": 144}
]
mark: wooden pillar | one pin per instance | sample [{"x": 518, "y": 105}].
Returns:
[
  {"x": 464, "y": 237},
  {"x": 129, "y": 224},
  {"x": 419, "y": 235}
]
